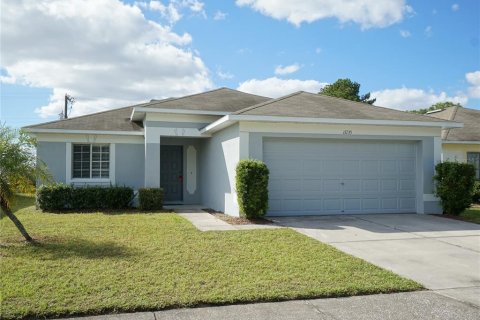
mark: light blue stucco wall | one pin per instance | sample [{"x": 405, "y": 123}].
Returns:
[
  {"x": 218, "y": 161},
  {"x": 130, "y": 165},
  {"x": 53, "y": 155}
]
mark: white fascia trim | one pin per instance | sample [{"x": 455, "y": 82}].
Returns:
[
  {"x": 230, "y": 119},
  {"x": 219, "y": 124},
  {"x": 460, "y": 142},
  {"x": 141, "y": 111},
  {"x": 124, "y": 133}
]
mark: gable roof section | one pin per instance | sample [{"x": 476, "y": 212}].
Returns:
[
  {"x": 311, "y": 105},
  {"x": 223, "y": 100},
  {"x": 110, "y": 120},
  {"x": 470, "y": 119}
]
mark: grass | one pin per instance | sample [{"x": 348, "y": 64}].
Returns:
[
  {"x": 100, "y": 263},
  {"x": 471, "y": 215}
]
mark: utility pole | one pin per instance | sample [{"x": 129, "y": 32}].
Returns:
[{"x": 68, "y": 98}]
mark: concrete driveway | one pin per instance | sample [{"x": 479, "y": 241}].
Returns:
[{"x": 440, "y": 253}]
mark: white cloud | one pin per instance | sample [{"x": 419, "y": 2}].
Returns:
[
  {"x": 473, "y": 79},
  {"x": 411, "y": 98},
  {"x": 104, "y": 53},
  {"x": 281, "y": 70},
  {"x": 318, "y": 50},
  {"x": 172, "y": 11},
  {"x": 274, "y": 87},
  {"x": 219, "y": 15},
  {"x": 224, "y": 75},
  {"x": 455, "y": 7},
  {"x": 366, "y": 13},
  {"x": 428, "y": 31},
  {"x": 405, "y": 33}
]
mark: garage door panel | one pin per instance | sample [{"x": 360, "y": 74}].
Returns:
[
  {"x": 407, "y": 185},
  {"x": 389, "y": 167},
  {"x": 370, "y": 185},
  {"x": 389, "y": 185},
  {"x": 349, "y": 186},
  {"x": 389, "y": 203},
  {"x": 351, "y": 167},
  {"x": 407, "y": 166},
  {"x": 318, "y": 176},
  {"x": 332, "y": 167},
  {"x": 332, "y": 185},
  {"x": 370, "y": 167},
  {"x": 332, "y": 205},
  {"x": 350, "y": 205},
  {"x": 407, "y": 203}
]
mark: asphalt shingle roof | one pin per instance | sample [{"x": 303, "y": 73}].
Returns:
[
  {"x": 221, "y": 100},
  {"x": 470, "y": 119},
  {"x": 111, "y": 120},
  {"x": 311, "y": 105}
]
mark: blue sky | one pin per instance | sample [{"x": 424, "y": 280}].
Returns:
[{"x": 108, "y": 53}]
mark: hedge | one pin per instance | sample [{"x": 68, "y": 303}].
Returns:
[
  {"x": 476, "y": 192},
  {"x": 60, "y": 197},
  {"x": 150, "y": 199},
  {"x": 252, "y": 188},
  {"x": 454, "y": 185}
]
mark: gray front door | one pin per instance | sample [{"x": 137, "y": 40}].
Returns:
[{"x": 171, "y": 172}]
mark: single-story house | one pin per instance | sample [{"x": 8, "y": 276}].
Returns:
[
  {"x": 461, "y": 144},
  {"x": 326, "y": 155}
]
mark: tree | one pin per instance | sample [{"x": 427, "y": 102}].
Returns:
[
  {"x": 437, "y": 106},
  {"x": 346, "y": 89},
  {"x": 18, "y": 170}
]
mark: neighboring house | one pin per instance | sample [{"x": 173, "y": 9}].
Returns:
[
  {"x": 461, "y": 144},
  {"x": 326, "y": 155}
]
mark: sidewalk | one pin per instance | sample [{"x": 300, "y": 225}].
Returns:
[
  {"x": 206, "y": 222},
  {"x": 397, "y": 306}
]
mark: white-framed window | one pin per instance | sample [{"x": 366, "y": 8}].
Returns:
[
  {"x": 474, "y": 158},
  {"x": 90, "y": 161}
]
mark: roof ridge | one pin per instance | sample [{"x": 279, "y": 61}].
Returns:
[
  {"x": 201, "y": 93},
  {"x": 77, "y": 117},
  {"x": 268, "y": 102}
]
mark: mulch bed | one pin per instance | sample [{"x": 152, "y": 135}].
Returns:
[{"x": 236, "y": 220}]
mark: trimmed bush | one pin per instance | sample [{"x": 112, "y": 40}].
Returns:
[
  {"x": 476, "y": 192},
  {"x": 454, "y": 186},
  {"x": 60, "y": 197},
  {"x": 150, "y": 199},
  {"x": 252, "y": 188}
]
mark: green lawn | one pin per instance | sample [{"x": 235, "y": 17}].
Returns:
[
  {"x": 471, "y": 215},
  {"x": 100, "y": 263}
]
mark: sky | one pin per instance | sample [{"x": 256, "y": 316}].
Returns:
[{"x": 111, "y": 53}]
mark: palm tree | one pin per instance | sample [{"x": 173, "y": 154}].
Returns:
[{"x": 18, "y": 170}]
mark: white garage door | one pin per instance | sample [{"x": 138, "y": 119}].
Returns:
[{"x": 312, "y": 176}]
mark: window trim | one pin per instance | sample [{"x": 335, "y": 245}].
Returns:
[
  {"x": 69, "y": 161},
  {"x": 478, "y": 164}
]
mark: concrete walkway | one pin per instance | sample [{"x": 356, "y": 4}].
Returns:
[
  {"x": 204, "y": 221},
  {"x": 399, "y": 306},
  {"x": 440, "y": 253}
]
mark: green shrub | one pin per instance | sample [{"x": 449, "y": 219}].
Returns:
[
  {"x": 476, "y": 192},
  {"x": 252, "y": 188},
  {"x": 60, "y": 197},
  {"x": 150, "y": 199},
  {"x": 454, "y": 186}
]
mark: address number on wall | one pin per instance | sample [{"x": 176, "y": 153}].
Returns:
[{"x": 347, "y": 132}]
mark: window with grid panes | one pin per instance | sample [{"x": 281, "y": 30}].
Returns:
[
  {"x": 91, "y": 161},
  {"x": 474, "y": 158}
]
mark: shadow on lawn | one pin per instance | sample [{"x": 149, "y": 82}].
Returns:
[{"x": 64, "y": 249}]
